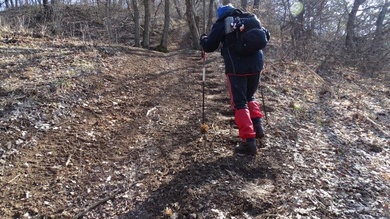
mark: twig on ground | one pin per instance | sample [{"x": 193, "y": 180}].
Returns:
[
  {"x": 13, "y": 179},
  {"x": 313, "y": 73},
  {"x": 374, "y": 124},
  {"x": 97, "y": 203},
  {"x": 68, "y": 160}
]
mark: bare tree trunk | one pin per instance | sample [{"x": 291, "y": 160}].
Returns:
[
  {"x": 107, "y": 21},
  {"x": 349, "y": 40},
  {"x": 137, "y": 32},
  {"x": 320, "y": 15},
  {"x": 192, "y": 24},
  {"x": 129, "y": 5},
  {"x": 204, "y": 16},
  {"x": 244, "y": 4},
  {"x": 164, "y": 38},
  {"x": 56, "y": 16},
  {"x": 378, "y": 58},
  {"x": 177, "y": 6},
  {"x": 297, "y": 33},
  {"x": 256, "y": 5},
  {"x": 47, "y": 10},
  {"x": 211, "y": 15},
  {"x": 147, "y": 20},
  {"x": 298, "y": 27},
  {"x": 380, "y": 22}
]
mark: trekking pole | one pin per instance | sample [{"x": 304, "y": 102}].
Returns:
[
  {"x": 262, "y": 97},
  {"x": 203, "y": 82},
  {"x": 203, "y": 127}
]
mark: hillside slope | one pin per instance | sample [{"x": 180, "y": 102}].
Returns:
[{"x": 114, "y": 132}]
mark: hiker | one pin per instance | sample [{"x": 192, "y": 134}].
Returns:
[{"x": 243, "y": 76}]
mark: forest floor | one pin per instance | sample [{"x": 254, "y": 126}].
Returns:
[{"x": 114, "y": 132}]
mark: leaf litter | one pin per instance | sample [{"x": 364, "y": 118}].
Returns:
[{"x": 113, "y": 132}]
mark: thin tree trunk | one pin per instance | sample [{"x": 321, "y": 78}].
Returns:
[
  {"x": 380, "y": 21},
  {"x": 211, "y": 15},
  {"x": 153, "y": 19},
  {"x": 47, "y": 10},
  {"x": 107, "y": 21},
  {"x": 256, "y": 5},
  {"x": 178, "y": 10},
  {"x": 164, "y": 38},
  {"x": 204, "y": 16},
  {"x": 146, "y": 33},
  {"x": 349, "y": 39},
  {"x": 298, "y": 27},
  {"x": 137, "y": 32},
  {"x": 192, "y": 24},
  {"x": 128, "y": 3},
  {"x": 244, "y": 4}
]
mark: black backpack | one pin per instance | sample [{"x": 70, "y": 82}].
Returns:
[{"x": 244, "y": 33}]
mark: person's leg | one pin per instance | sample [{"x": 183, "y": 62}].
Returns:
[
  {"x": 252, "y": 85},
  {"x": 237, "y": 89},
  {"x": 253, "y": 106}
]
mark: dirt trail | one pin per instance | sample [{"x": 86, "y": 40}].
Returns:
[{"x": 114, "y": 132}]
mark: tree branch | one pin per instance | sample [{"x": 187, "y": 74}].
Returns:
[{"x": 97, "y": 203}]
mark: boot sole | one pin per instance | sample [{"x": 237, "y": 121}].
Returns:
[{"x": 246, "y": 152}]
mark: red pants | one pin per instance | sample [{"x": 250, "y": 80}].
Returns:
[{"x": 242, "y": 90}]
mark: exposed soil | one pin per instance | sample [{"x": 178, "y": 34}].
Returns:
[{"x": 114, "y": 132}]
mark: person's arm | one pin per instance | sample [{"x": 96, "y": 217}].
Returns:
[{"x": 211, "y": 42}]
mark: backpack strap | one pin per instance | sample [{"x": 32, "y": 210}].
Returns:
[{"x": 237, "y": 12}]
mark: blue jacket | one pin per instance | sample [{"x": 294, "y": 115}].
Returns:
[{"x": 234, "y": 64}]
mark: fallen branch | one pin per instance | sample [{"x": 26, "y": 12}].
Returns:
[
  {"x": 313, "y": 73},
  {"x": 13, "y": 179},
  {"x": 150, "y": 111},
  {"x": 97, "y": 203},
  {"x": 378, "y": 127},
  {"x": 68, "y": 160}
]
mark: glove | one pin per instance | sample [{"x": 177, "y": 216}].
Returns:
[
  {"x": 202, "y": 37},
  {"x": 267, "y": 34}
]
